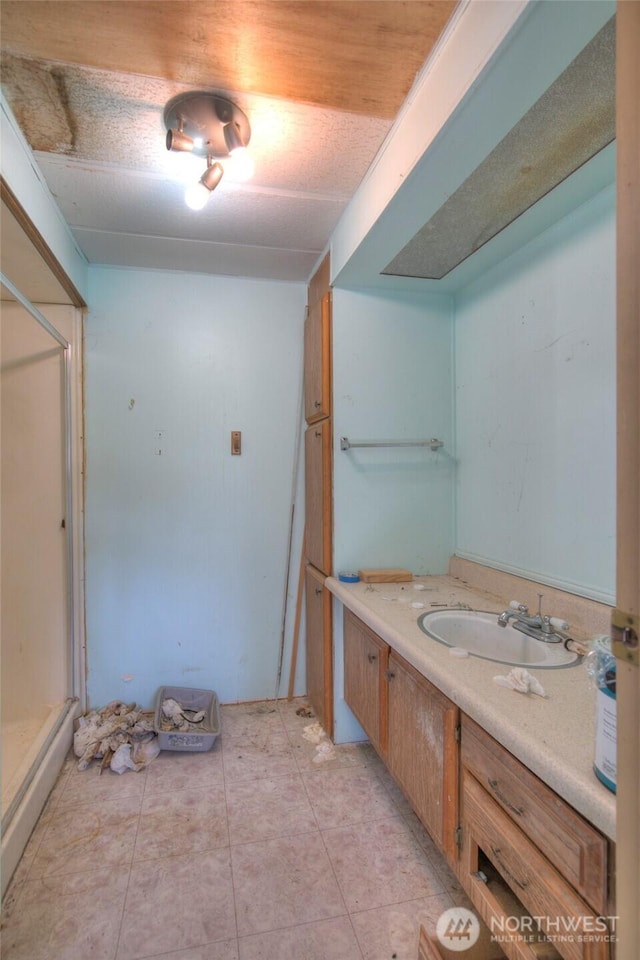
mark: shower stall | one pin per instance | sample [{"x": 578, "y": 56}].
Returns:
[{"x": 40, "y": 653}]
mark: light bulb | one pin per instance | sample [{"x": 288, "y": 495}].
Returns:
[
  {"x": 240, "y": 164},
  {"x": 196, "y": 195}
]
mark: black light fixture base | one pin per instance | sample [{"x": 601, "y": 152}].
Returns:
[{"x": 204, "y": 116}]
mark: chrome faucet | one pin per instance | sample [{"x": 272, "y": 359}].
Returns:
[{"x": 538, "y": 626}]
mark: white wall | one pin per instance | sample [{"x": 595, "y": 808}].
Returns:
[
  {"x": 186, "y": 549},
  {"x": 392, "y": 379},
  {"x": 535, "y": 408}
]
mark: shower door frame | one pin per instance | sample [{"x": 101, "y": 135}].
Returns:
[
  {"x": 74, "y": 685},
  {"x": 43, "y": 771}
]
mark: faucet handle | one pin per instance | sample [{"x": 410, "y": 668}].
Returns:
[
  {"x": 558, "y": 624},
  {"x": 520, "y": 607}
]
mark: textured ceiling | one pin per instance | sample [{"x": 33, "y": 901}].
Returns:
[{"x": 320, "y": 82}]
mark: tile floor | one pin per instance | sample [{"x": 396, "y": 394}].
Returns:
[{"x": 249, "y": 852}]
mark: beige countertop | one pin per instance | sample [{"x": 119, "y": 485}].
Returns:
[{"x": 554, "y": 737}]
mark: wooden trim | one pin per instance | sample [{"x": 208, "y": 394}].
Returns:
[
  {"x": 8, "y": 197},
  {"x": 296, "y": 625},
  {"x": 327, "y": 355},
  {"x": 327, "y": 658},
  {"x": 628, "y": 304},
  {"x": 628, "y": 466}
]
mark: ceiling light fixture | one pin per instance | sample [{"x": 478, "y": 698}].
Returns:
[
  {"x": 197, "y": 194},
  {"x": 212, "y": 127}
]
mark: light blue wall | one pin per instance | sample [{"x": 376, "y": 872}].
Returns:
[
  {"x": 535, "y": 408},
  {"x": 392, "y": 379},
  {"x": 186, "y": 550}
]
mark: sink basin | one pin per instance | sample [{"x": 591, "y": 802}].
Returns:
[{"x": 477, "y": 632}]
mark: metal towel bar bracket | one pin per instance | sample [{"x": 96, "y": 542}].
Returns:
[{"x": 433, "y": 443}]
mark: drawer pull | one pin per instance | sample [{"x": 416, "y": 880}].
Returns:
[
  {"x": 507, "y": 873},
  {"x": 389, "y": 675},
  {"x": 318, "y": 591},
  {"x": 371, "y": 657},
  {"x": 501, "y": 797},
  {"x": 317, "y": 403}
]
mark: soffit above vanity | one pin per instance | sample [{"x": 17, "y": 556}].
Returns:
[
  {"x": 526, "y": 139},
  {"x": 567, "y": 126}
]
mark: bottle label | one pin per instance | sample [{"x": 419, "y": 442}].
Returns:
[{"x": 606, "y": 715}]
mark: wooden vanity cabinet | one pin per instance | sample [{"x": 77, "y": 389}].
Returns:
[
  {"x": 319, "y": 661},
  {"x": 422, "y": 751},
  {"x": 526, "y": 853},
  {"x": 365, "y": 683},
  {"x": 412, "y": 725}
]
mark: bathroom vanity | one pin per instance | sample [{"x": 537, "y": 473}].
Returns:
[{"x": 502, "y": 781}]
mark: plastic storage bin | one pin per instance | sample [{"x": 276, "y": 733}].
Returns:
[{"x": 191, "y": 699}]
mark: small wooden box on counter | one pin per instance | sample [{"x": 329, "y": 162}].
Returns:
[{"x": 385, "y": 575}]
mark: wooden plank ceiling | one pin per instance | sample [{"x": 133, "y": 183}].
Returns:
[{"x": 356, "y": 55}]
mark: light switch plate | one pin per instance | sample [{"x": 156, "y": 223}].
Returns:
[{"x": 236, "y": 443}]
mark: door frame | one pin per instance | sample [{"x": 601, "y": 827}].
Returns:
[{"x": 628, "y": 470}]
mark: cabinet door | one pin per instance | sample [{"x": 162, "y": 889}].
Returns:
[
  {"x": 423, "y": 750},
  {"x": 319, "y": 647},
  {"x": 317, "y": 360},
  {"x": 317, "y": 447},
  {"x": 365, "y": 664}
]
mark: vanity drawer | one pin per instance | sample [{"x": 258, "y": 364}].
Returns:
[
  {"x": 576, "y": 848},
  {"x": 524, "y": 877}
]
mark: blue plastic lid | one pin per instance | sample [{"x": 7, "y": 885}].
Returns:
[{"x": 349, "y": 577}]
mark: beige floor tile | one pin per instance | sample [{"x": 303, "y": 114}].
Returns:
[
  {"x": 379, "y": 863},
  {"x": 263, "y": 754},
  {"x": 242, "y": 719},
  {"x": 423, "y": 838},
  {"x": 342, "y": 755},
  {"x": 83, "y": 837},
  {"x": 347, "y": 795},
  {"x": 261, "y": 780},
  {"x": 21, "y": 873},
  {"x": 327, "y": 940},
  {"x": 73, "y": 917},
  {"x": 177, "y": 903},
  {"x": 393, "y": 931},
  {"x": 172, "y": 824},
  {"x": 176, "y": 772},
  {"x": 394, "y": 791},
  {"x": 223, "y": 950},
  {"x": 296, "y": 713},
  {"x": 89, "y": 786},
  {"x": 282, "y": 882},
  {"x": 263, "y": 809}
]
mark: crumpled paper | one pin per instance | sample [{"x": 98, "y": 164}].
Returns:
[
  {"x": 522, "y": 681},
  {"x": 324, "y": 748},
  {"x": 134, "y": 756}
]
